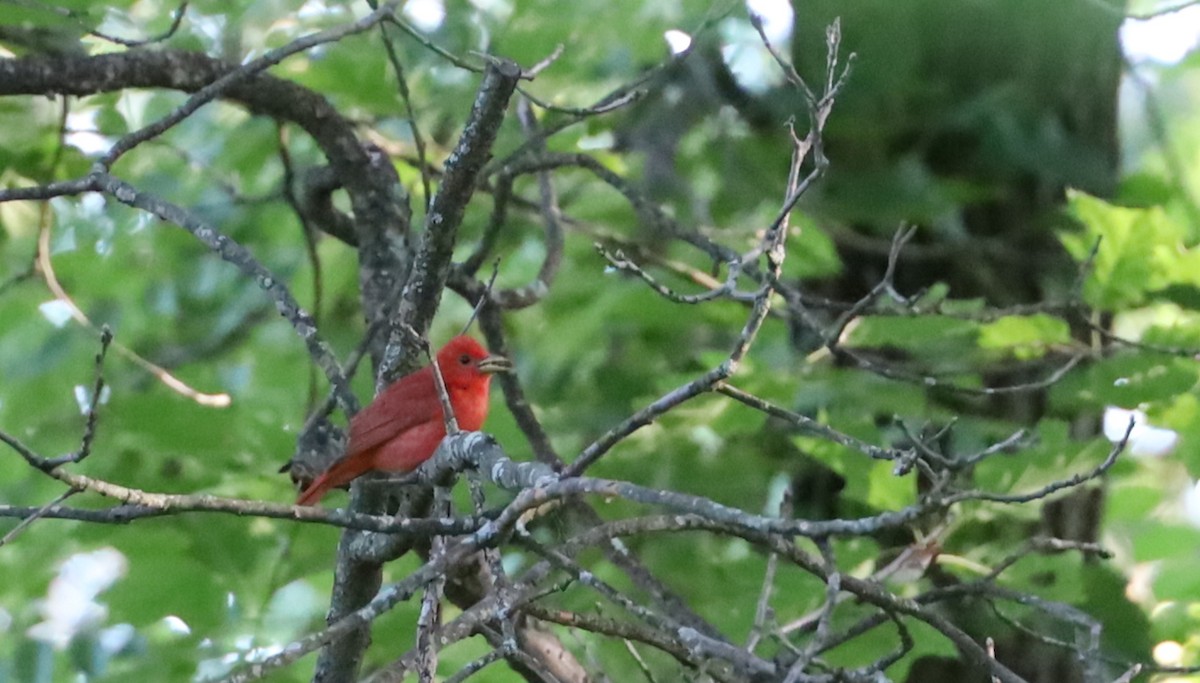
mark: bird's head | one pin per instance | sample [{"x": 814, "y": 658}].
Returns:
[{"x": 463, "y": 357}]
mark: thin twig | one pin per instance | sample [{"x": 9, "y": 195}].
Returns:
[
  {"x": 406, "y": 97},
  {"x": 169, "y": 380},
  {"x": 91, "y": 413},
  {"x": 35, "y": 515}
]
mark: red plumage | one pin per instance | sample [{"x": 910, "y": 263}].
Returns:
[{"x": 404, "y": 425}]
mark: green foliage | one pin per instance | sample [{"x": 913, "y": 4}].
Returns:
[
  {"x": 1127, "y": 380},
  {"x": 1026, "y": 337},
  {"x": 1139, "y": 252},
  {"x": 600, "y": 346}
]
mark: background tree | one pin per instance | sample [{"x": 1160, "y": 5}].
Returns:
[{"x": 811, "y": 359}]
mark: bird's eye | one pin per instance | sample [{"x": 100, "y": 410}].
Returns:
[{"x": 464, "y": 359}]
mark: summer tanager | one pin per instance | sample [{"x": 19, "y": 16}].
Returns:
[{"x": 404, "y": 425}]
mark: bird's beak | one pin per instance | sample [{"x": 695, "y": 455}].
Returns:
[{"x": 493, "y": 364}]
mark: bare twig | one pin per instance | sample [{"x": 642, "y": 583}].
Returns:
[
  {"x": 34, "y": 515},
  {"x": 91, "y": 413},
  {"x": 405, "y": 96}
]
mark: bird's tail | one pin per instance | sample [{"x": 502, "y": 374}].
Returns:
[{"x": 341, "y": 472}]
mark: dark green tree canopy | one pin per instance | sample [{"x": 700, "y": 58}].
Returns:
[{"x": 852, "y": 342}]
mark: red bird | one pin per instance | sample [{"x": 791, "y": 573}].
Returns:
[{"x": 404, "y": 425}]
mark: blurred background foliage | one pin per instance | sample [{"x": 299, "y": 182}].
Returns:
[{"x": 993, "y": 126}]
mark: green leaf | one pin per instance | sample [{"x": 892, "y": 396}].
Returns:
[
  {"x": 1140, "y": 251},
  {"x": 1026, "y": 337},
  {"x": 1158, "y": 541},
  {"x": 1144, "y": 190},
  {"x": 1177, "y": 578},
  {"x": 924, "y": 336},
  {"x": 1132, "y": 503},
  {"x": 1126, "y": 381}
]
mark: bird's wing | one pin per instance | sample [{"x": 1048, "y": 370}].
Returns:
[{"x": 410, "y": 401}]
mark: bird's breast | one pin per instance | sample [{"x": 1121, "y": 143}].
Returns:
[{"x": 470, "y": 408}]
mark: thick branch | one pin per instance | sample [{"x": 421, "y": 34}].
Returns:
[
  {"x": 367, "y": 174},
  {"x": 356, "y": 580},
  {"x": 423, "y": 292}
]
